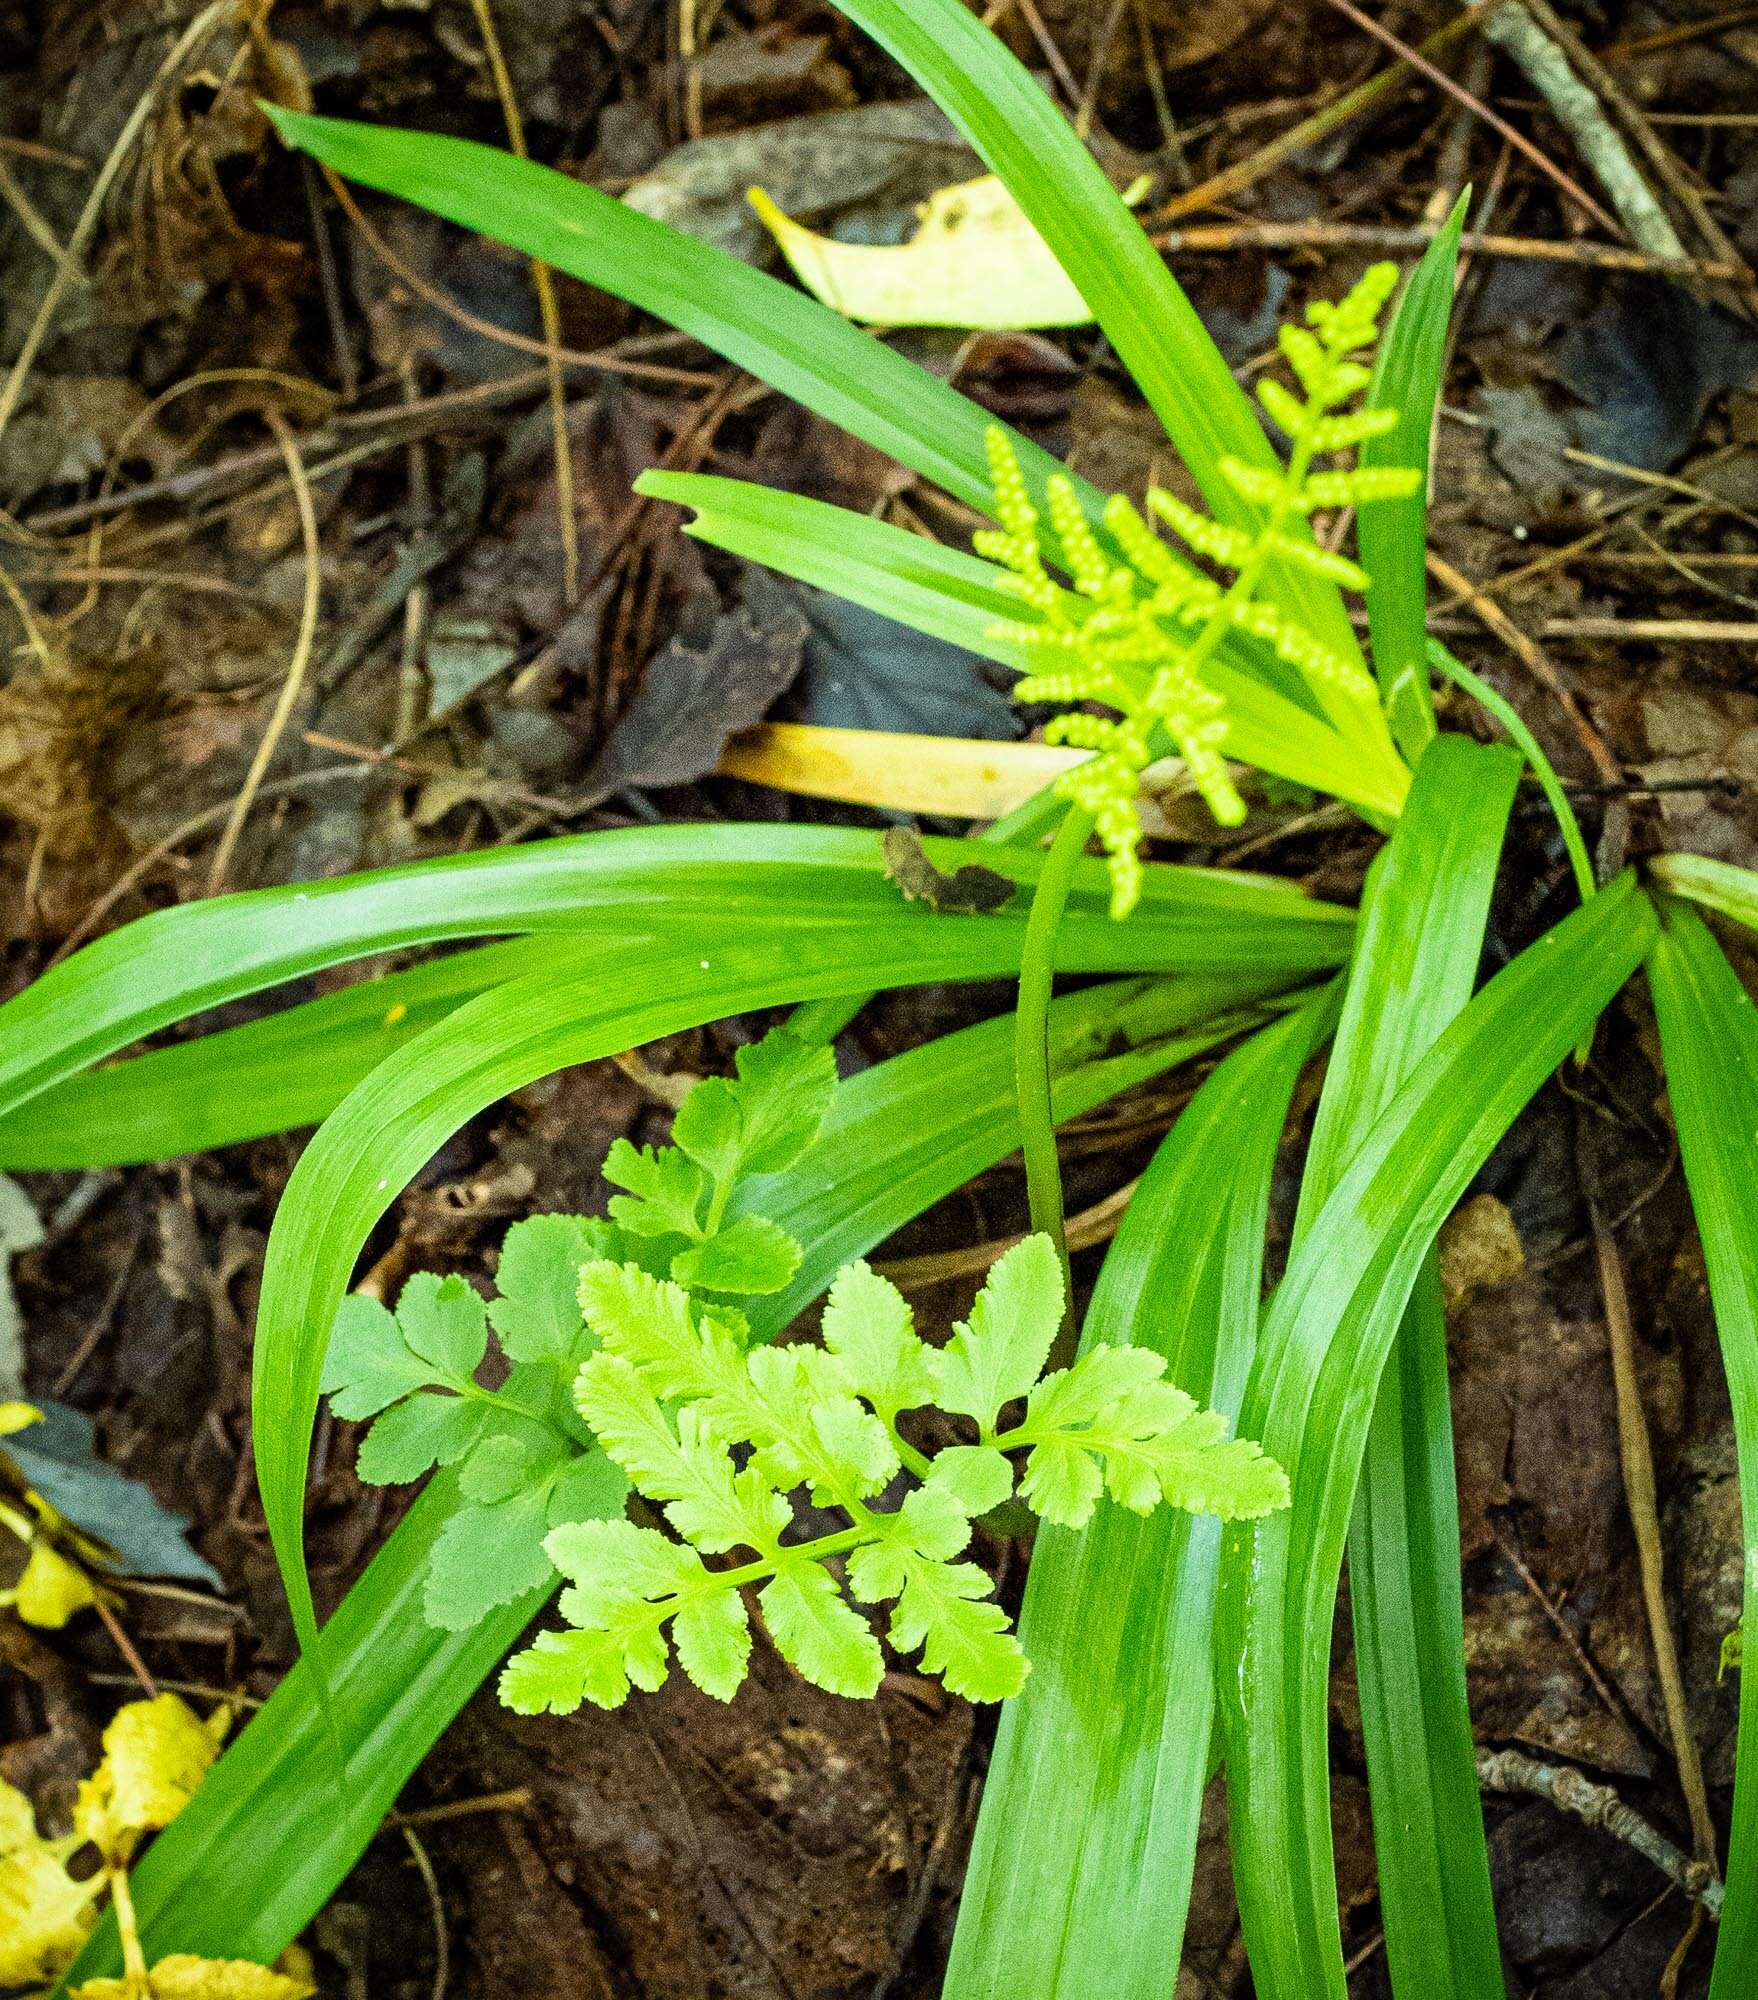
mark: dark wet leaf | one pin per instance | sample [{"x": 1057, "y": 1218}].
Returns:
[
  {"x": 56, "y": 1456},
  {"x": 865, "y": 672}
]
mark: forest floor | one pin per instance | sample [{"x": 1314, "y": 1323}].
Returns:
[{"x": 226, "y": 335}]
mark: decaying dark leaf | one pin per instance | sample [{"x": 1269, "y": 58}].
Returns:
[
  {"x": 697, "y": 693},
  {"x": 972, "y": 890}
]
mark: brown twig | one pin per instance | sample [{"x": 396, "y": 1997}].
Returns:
[
  {"x": 125, "y": 1646},
  {"x": 296, "y": 666},
  {"x": 1662, "y": 160},
  {"x": 1209, "y": 238},
  {"x": 516, "y": 1800},
  {"x": 186, "y": 44},
  {"x": 1091, "y": 1226},
  {"x": 442, "y": 1944},
  {"x": 1515, "y": 138},
  {"x": 1637, "y": 1459},
  {"x": 1599, "y": 1806},
  {"x": 1317, "y": 125},
  {"x": 606, "y": 361},
  {"x": 547, "y": 312}
]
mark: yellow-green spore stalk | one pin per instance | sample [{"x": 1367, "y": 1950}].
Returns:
[{"x": 1134, "y": 635}]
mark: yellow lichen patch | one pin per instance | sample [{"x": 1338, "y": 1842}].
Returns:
[
  {"x": 183, "y": 1977},
  {"x": 44, "y": 1913},
  {"x": 155, "y": 1754},
  {"x": 51, "y": 1589}
]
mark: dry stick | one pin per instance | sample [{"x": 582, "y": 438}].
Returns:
[
  {"x": 1227, "y": 236},
  {"x": 430, "y": 294},
  {"x": 1639, "y": 1492},
  {"x": 296, "y": 667},
  {"x": 1091, "y": 1226},
  {"x": 1511, "y": 27},
  {"x": 185, "y": 45},
  {"x": 1319, "y": 124},
  {"x": 1706, "y": 631},
  {"x": 1517, "y": 139},
  {"x": 32, "y": 221},
  {"x": 1052, "y": 54},
  {"x": 516, "y": 1800},
  {"x": 125, "y": 1646},
  {"x": 329, "y": 279},
  {"x": 1599, "y": 1806},
  {"x": 1171, "y": 142},
  {"x": 547, "y": 312},
  {"x": 1089, "y": 97},
  {"x": 1618, "y": 1709},
  {"x": 442, "y": 1944},
  {"x": 1684, "y": 31},
  {"x": 1674, "y": 176}
]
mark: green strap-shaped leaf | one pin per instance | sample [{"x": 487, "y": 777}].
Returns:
[
  {"x": 603, "y": 887},
  {"x": 1392, "y": 535},
  {"x": 1080, "y": 1874},
  {"x": 1321, "y": 1353},
  {"x": 762, "y": 325},
  {"x": 1716, "y": 885},
  {"x": 271, "y": 1831},
  {"x": 301, "y": 1062},
  {"x": 1416, "y": 958},
  {"x": 1709, "y": 1040}
]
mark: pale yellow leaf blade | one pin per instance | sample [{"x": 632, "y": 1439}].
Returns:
[{"x": 976, "y": 261}]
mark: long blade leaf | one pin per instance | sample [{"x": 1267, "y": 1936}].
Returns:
[
  {"x": 1709, "y": 1041},
  {"x": 288, "y": 1069},
  {"x": 955, "y": 596},
  {"x": 1321, "y": 1353},
  {"x": 176, "y": 963},
  {"x": 1079, "y": 1879},
  {"x": 768, "y": 328},
  {"x": 1416, "y": 958},
  {"x": 1392, "y": 535}
]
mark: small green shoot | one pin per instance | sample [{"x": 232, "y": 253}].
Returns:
[{"x": 673, "y": 1392}]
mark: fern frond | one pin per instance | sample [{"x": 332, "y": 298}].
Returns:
[{"x": 1134, "y": 635}]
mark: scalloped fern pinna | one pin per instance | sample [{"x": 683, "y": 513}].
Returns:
[
  {"x": 718, "y": 1434},
  {"x": 627, "y": 1360},
  {"x": 1139, "y": 624}
]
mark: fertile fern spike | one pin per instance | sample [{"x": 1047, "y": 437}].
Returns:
[{"x": 1134, "y": 635}]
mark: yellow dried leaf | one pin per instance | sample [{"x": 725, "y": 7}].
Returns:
[
  {"x": 155, "y": 1754},
  {"x": 44, "y": 1913},
  {"x": 183, "y": 1977},
  {"x": 975, "y": 262},
  {"x": 51, "y": 1589}
]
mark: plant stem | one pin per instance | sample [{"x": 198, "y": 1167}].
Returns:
[
  {"x": 1031, "y": 1051},
  {"x": 916, "y": 1461},
  {"x": 135, "y": 1978}
]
